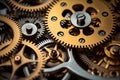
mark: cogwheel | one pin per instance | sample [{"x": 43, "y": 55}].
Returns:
[
  {"x": 105, "y": 65},
  {"x": 32, "y": 27},
  {"x": 28, "y": 61},
  {"x": 16, "y": 38},
  {"x": 80, "y": 24},
  {"x": 30, "y": 5},
  {"x": 54, "y": 53}
]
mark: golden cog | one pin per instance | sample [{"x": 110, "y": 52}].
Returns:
[
  {"x": 34, "y": 57},
  {"x": 30, "y": 6},
  {"x": 80, "y": 24},
  {"x": 5, "y": 51}
]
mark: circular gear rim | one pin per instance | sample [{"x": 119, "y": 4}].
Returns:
[
  {"x": 40, "y": 61},
  {"x": 32, "y": 8},
  {"x": 16, "y": 39},
  {"x": 53, "y": 33}
]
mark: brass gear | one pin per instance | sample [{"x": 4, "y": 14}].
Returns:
[
  {"x": 23, "y": 58},
  {"x": 16, "y": 38},
  {"x": 81, "y": 24},
  {"x": 54, "y": 53},
  {"x": 105, "y": 62},
  {"x": 41, "y": 5}
]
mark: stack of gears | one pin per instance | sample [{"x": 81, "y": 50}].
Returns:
[{"x": 59, "y": 39}]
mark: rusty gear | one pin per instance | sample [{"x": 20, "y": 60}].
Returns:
[
  {"x": 16, "y": 38},
  {"x": 31, "y": 5},
  {"x": 22, "y": 59},
  {"x": 32, "y": 27},
  {"x": 78, "y": 23}
]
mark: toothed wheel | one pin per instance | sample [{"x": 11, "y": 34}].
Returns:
[
  {"x": 81, "y": 24},
  {"x": 26, "y": 64},
  {"x": 30, "y": 5},
  {"x": 32, "y": 27},
  {"x": 12, "y": 32},
  {"x": 105, "y": 62},
  {"x": 54, "y": 54}
]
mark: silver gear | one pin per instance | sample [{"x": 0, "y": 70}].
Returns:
[{"x": 32, "y": 27}]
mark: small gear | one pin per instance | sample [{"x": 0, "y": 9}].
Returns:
[
  {"x": 105, "y": 64},
  {"x": 30, "y": 5},
  {"x": 15, "y": 35},
  {"x": 32, "y": 27},
  {"x": 80, "y": 24},
  {"x": 28, "y": 61},
  {"x": 55, "y": 54}
]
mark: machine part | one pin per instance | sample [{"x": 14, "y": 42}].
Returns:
[
  {"x": 30, "y": 5},
  {"x": 27, "y": 64},
  {"x": 78, "y": 23},
  {"x": 105, "y": 64},
  {"x": 16, "y": 36},
  {"x": 32, "y": 27},
  {"x": 73, "y": 66},
  {"x": 55, "y": 54}
]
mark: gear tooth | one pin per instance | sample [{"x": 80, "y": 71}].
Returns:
[{"x": 31, "y": 9}]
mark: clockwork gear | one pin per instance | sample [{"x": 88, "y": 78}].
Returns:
[
  {"x": 32, "y": 27},
  {"x": 79, "y": 22},
  {"x": 104, "y": 63},
  {"x": 27, "y": 63},
  {"x": 54, "y": 53},
  {"x": 14, "y": 33},
  {"x": 30, "y": 5}
]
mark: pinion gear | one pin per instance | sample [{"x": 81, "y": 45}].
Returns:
[
  {"x": 78, "y": 23},
  {"x": 32, "y": 27}
]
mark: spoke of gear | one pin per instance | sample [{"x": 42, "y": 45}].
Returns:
[
  {"x": 30, "y": 62},
  {"x": 31, "y": 5},
  {"x": 32, "y": 27},
  {"x": 16, "y": 38},
  {"x": 81, "y": 24}
]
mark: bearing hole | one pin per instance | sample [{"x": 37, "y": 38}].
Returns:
[
  {"x": 54, "y": 18},
  {"x": 63, "y": 4},
  {"x": 60, "y": 34},
  {"x": 82, "y": 40},
  {"x": 102, "y": 33}
]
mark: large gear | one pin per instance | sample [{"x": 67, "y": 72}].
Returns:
[
  {"x": 32, "y": 27},
  {"x": 104, "y": 63},
  {"x": 31, "y": 62},
  {"x": 16, "y": 37},
  {"x": 78, "y": 23},
  {"x": 30, "y": 5}
]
